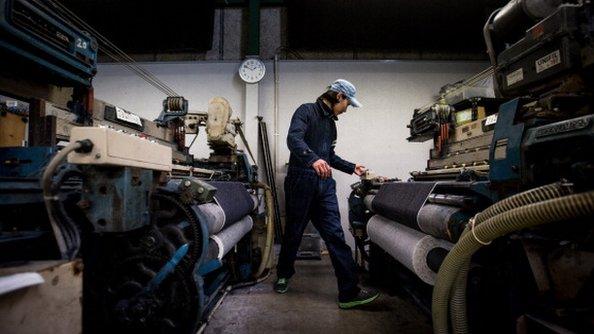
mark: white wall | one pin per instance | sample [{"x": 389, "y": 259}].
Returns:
[{"x": 374, "y": 135}]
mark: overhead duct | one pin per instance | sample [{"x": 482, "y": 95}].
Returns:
[{"x": 417, "y": 251}]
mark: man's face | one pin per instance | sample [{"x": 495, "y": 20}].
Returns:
[{"x": 341, "y": 106}]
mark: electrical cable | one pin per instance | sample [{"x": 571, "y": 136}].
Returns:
[
  {"x": 70, "y": 226},
  {"x": 134, "y": 69},
  {"x": 65, "y": 237},
  {"x": 143, "y": 73}
]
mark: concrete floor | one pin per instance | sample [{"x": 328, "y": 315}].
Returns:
[{"x": 310, "y": 306}]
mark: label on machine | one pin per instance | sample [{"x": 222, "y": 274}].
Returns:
[
  {"x": 129, "y": 117},
  {"x": 491, "y": 119},
  {"x": 548, "y": 61},
  {"x": 515, "y": 77}
]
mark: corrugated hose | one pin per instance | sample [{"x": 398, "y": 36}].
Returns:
[{"x": 543, "y": 205}]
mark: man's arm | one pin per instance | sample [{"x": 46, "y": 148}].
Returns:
[
  {"x": 341, "y": 164},
  {"x": 295, "y": 138}
]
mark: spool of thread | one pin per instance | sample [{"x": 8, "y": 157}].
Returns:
[
  {"x": 221, "y": 243},
  {"x": 408, "y": 246}
]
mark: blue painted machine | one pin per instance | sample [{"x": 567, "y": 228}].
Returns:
[
  {"x": 162, "y": 235},
  {"x": 518, "y": 164},
  {"x": 30, "y": 32}
]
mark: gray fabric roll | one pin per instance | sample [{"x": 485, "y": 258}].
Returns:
[
  {"x": 213, "y": 215},
  {"x": 221, "y": 243},
  {"x": 408, "y": 246},
  {"x": 442, "y": 221}
]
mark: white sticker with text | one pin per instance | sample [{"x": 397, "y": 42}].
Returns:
[
  {"x": 492, "y": 119},
  {"x": 125, "y": 116},
  {"x": 515, "y": 77},
  {"x": 548, "y": 61}
]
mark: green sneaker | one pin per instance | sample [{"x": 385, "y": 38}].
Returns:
[
  {"x": 365, "y": 296},
  {"x": 281, "y": 285}
]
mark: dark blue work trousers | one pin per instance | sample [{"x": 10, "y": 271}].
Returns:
[{"x": 309, "y": 197}]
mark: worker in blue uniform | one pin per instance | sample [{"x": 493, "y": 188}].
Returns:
[{"x": 310, "y": 191}]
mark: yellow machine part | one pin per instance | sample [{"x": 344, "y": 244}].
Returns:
[{"x": 12, "y": 130}]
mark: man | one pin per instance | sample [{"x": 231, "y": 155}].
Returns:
[{"x": 310, "y": 191}]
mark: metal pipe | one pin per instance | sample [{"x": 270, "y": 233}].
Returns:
[
  {"x": 254, "y": 27},
  {"x": 222, "y": 34},
  {"x": 453, "y": 200},
  {"x": 276, "y": 92}
]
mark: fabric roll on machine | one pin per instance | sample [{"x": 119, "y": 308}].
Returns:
[
  {"x": 415, "y": 250},
  {"x": 157, "y": 247},
  {"x": 146, "y": 237},
  {"x": 506, "y": 197}
]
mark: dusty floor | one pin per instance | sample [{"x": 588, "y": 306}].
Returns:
[{"x": 310, "y": 307}]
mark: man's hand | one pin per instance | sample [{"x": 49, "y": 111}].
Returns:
[
  {"x": 360, "y": 169},
  {"x": 322, "y": 168}
]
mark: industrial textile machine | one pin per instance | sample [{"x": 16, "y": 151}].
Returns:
[
  {"x": 495, "y": 235},
  {"x": 106, "y": 213}
]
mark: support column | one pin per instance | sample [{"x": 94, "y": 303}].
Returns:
[
  {"x": 254, "y": 27},
  {"x": 249, "y": 118}
]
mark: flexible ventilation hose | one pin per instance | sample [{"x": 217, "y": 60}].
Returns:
[
  {"x": 530, "y": 215},
  {"x": 458, "y": 298},
  {"x": 535, "y": 195}
]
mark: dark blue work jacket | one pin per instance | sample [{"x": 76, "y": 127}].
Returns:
[{"x": 312, "y": 136}]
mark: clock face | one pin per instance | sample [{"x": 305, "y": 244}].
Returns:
[{"x": 252, "y": 70}]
